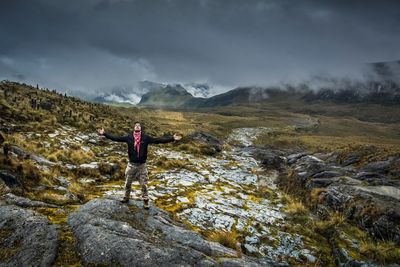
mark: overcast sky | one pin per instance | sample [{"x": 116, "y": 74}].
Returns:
[{"x": 87, "y": 47}]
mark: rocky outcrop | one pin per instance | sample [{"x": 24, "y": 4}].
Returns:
[
  {"x": 208, "y": 139},
  {"x": 369, "y": 195},
  {"x": 11, "y": 199},
  {"x": 26, "y": 155},
  {"x": 110, "y": 233},
  {"x": 375, "y": 212},
  {"x": 26, "y": 238}
]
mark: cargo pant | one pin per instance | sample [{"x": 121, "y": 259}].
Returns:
[{"x": 137, "y": 171}]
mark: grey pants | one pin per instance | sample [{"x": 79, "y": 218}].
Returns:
[{"x": 137, "y": 171}]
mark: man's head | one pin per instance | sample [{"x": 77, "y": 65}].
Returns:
[{"x": 137, "y": 127}]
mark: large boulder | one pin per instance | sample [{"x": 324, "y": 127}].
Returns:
[
  {"x": 110, "y": 233},
  {"x": 26, "y": 238}
]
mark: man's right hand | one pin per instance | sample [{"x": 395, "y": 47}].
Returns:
[{"x": 100, "y": 131}]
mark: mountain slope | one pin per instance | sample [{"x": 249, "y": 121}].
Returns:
[{"x": 173, "y": 96}]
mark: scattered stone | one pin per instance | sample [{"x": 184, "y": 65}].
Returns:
[
  {"x": 60, "y": 188},
  {"x": 63, "y": 181},
  {"x": 70, "y": 166},
  {"x": 183, "y": 199},
  {"x": 87, "y": 181},
  {"x": 85, "y": 148},
  {"x": 52, "y": 135},
  {"x": 91, "y": 165}
]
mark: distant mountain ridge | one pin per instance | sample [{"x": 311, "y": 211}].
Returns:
[
  {"x": 133, "y": 95},
  {"x": 173, "y": 97},
  {"x": 381, "y": 86}
]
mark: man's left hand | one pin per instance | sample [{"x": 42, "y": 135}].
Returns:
[{"x": 177, "y": 137}]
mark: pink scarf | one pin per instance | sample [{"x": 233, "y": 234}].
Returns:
[{"x": 137, "y": 136}]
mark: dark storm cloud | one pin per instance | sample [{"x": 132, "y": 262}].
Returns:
[{"x": 95, "y": 45}]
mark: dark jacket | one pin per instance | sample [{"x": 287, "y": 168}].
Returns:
[{"x": 145, "y": 141}]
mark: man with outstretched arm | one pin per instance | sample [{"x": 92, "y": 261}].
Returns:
[{"x": 137, "y": 152}]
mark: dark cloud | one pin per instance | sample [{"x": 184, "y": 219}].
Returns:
[{"x": 94, "y": 45}]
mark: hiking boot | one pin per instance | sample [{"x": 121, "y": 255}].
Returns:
[
  {"x": 146, "y": 204},
  {"x": 124, "y": 200}
]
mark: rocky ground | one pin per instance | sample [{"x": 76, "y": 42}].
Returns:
[
  {"x": 368, "y": 195},
  {"x": 239, "y": 193},
  {"x": 127, "y": 235}
]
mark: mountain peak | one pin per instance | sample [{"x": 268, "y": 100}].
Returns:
[{"x": 168, "y": 96}]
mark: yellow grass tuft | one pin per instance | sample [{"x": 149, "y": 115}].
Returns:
[
  {"x": 315, "y": 195},
  {"x": 384, "y": 252},
  {"x": 58, "y": 155},
  {"x": 80, "y": 157},
  {"x": 294, "y": 207},
  {"x": 227, "y": 239},
  {"x": 338, "y": 218}
]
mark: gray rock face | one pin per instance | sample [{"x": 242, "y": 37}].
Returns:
[
  {"x": 367, "y": 196},
  {"x": 352, "y": 158},
  {"x": 22, "y": 153},
  {"x": 374, "y": 211},
  {"x": 379, "y": 166},
  {"x": 27, "y": 238},
  {"x": 110, "y": 233}
]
